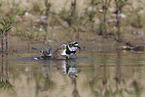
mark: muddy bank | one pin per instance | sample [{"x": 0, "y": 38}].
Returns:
[{"x": 87, "y": 42}]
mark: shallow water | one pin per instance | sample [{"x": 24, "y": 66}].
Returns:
[{"x": 91, "y": 74}]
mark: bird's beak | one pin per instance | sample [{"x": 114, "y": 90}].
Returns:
[{"x": 79, "y": 48}]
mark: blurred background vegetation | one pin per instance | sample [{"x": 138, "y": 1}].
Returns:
[{"x": 57, "y": 21}]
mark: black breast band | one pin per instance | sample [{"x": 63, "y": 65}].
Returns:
[{"x": 68, "y": 51}]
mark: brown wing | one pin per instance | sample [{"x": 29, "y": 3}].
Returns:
[{"x": 57, "y": 53}]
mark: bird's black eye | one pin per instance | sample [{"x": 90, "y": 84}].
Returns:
[{"x": 73, "y": 45}]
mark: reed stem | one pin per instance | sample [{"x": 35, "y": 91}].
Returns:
[
  {"x": 6, "y": 43},
  {"x": 73, "y": 11},
  {"x": 2, "y": 44}
]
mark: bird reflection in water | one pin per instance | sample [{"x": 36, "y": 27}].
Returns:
[{"x": 69, "y": 67}]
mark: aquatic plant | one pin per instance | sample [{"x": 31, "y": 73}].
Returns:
[
  {"x": 106, "y": 4},
  {"x": 6, "y": 26},
  {"x": 69, "y": 15},
  {"x": 73, "y": 5},
  {"x": 137, "y": 18},
  {"x": 119, "y": 5},
  {"x": 48, "y": 5},
  {"x": 1, "y": 3},
  {"x": 91, "y": 11},
  {"x": 77, "y": 30}
]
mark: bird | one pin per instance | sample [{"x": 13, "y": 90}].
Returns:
[{"x": 64, "y": 51}]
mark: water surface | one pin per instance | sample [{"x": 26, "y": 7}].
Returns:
[{"x": 91, "y": 74}]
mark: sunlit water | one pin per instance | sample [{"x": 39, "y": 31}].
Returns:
[{"x": 91, "y": 74}]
